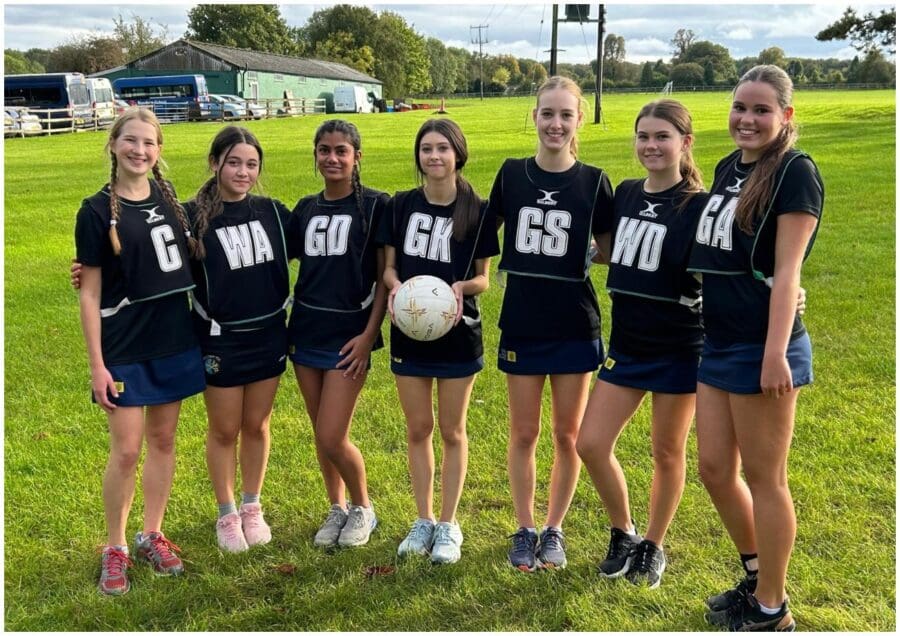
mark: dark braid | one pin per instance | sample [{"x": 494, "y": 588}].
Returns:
[
  {"x": 172, "y": 200},
  {"x": 358, "y": 191},
  {"x": 114, "y": 207}
]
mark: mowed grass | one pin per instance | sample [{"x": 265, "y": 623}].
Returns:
[{"x": 842, "y": 576}]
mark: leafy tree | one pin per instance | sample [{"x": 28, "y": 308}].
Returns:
[
  {"x": 647, "y": 78},
  {"x": 86, "y": 54},
  {"x": 401, "y": 61},
  {"x": 853, "y": 70},
  {"x": 139, "y": 36},
  {"x": 250, "y": 26},
  {"x": 876, "y": 69},
  {"x": 340, "y": 48},
  {"x": 682, "y": 41},
  {"x": 704, "y": 51},
  {"x": 613, "y": 55},
  {"x": 709, "y": 73},
  {"x": 40, "y": 56},
  {"x": 687, "y": 74},
  {"x": 15, "y": 63},
  {"x": 500, "y": 78},
  {"x": 865, "y": 33},
  {"x": 773, "y": 55},
  {"x": 795, "y": 69},
  {"x": 443, "y": 67},
  {"x": 353, "y": 19}
]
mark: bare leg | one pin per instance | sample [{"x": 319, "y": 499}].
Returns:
[
  {"x": 569, "y": 393},
  {"x": 310, "y": 381},
  {"x": 453, "y": 405},
  {"x": 254, "y": 449},
  {"x": 524, "y": 428},
  {"x": 126, "y": 434},
  {"x": 224, "y": 408},
  {"x": 159, "y": 465},
  {"x": 415, "y": 399}
]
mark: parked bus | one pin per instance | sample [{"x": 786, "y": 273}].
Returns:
[
  {"x": 60, "y": 99},
  {"x": 169, "y": 95}
]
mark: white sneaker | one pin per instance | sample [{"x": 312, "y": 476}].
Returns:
[
  {"x": 328, "y": 534},
  {"x": 419, "y": 539},
  {"x": 358, "y": 528},
  {"x": 447, "y": 539}
]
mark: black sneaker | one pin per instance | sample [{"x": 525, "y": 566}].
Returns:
[
  {"x": 748, "y": 617},
  {"x": 647, "y": 565},
  {"x": 618, "y": 556},
  {"x": 524, "y": 545},
  {"x": 551, "y": 550},
  {"x": 719, "y": 604}
]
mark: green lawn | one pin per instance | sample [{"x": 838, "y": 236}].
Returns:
[{"x": 842, "y": 576}]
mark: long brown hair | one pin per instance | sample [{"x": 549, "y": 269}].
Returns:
[
  {"x": 676, "y": 114},
  {"x": 468, "y": 204},
  {"x": 145, "y": 115},
  {"x": 758, "y": 189},
  {"x": 209, "y": 198},
  {"x": 558, "y": 81}
]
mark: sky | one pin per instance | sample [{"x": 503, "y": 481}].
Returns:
[{"x": 518, "y": 28}]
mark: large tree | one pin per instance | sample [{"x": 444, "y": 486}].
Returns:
[
  {"x": 688, "y": 74},
  {"x": 341, "y": 48},
  {"x": 251, "y": 26},
  {"x": 353, "y": 19},
  {"x": 865, "y": 33},
  {"x": 773, "y": 55},
  {"x": 682, "y": 41},
  {"x": 401, "y": 61},
  {"x": 703, "y": 52},
  {"x": 15, "y": 63},
  {"x": 444, "y": 67},
  {"x": 86, "y": 54},
  {"x": 138, "y": 37},
  {"x": 613, "y": 55}
]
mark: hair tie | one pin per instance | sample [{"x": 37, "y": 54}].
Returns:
[
  {"x": 113, "y": 223},
  {"x": 187, "y": 233}
]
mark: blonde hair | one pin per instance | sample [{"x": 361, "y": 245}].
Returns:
[
  {"x": 558, "y": 81},
  {"x": 676, "y": 114},
  {"x": 758, "y": 190},
  {"x": 148, "y": 117}
]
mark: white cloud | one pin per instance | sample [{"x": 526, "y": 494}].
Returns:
[{"x": 738, "y": 33}]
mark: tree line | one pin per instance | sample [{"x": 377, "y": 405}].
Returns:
[{"x": 383, "y": 45}]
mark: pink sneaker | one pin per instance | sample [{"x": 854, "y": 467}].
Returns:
[
  {"x": 229, "y": 534},
  {"x": 256, "y": 530}
]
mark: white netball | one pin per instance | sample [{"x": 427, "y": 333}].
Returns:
[{"x": 425, "y": 308}]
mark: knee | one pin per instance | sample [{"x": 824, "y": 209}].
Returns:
[
  {"x": 256, "y": 429},
  {"x": 565, "y": 438},
  {"x": 222, "y": 437},
  {"x": 524, "y": 437},
  {"x": 765, "y": 479},
  {"x": 669, "y": 459},
  {"x": 329, "y": 442},
  {"x": 162, "y": 442},
  {"x": 453, "y": 436},
  {"x": 590, "y": 449},
  {"x": 419, "y": 431},
  {"x": 715, "y": 474},
  {"x": 125, "y": 460}
]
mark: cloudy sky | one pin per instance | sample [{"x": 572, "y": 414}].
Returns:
[{"x": 519, "y": 28}]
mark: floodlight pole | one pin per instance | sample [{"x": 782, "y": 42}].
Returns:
[
  {"x": 553, "y": 30},
  {"x": 601, "y": 23}
]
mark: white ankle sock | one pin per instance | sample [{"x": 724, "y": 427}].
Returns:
[{"x": 769, "y": 610}]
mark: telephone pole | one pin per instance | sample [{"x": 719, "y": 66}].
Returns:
[{"x": 479, "y": 40}]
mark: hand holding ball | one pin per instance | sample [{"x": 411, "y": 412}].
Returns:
[{"x": 425, "y": 308}]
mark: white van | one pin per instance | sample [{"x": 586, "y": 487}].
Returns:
[
  {"x": 102, "y": 101},
  {"x": 351, "y": 99}
]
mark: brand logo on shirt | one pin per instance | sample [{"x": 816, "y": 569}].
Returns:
[
  {"x": 736, "y": 188},
  {"x": 548, "y": 197},
  {"x": 152, "y": 216},
  {"x": 650, "y": 212}
]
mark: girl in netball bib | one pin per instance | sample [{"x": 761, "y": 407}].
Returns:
[
  {"x": 552, "y": 204},
  {"x": 441, "y": 229},
  {"x": 241, "y": 271},
  {"x": 133, "y": 240},
  {"x": 757, "y": 228},
  {"x": 339, "y": 304},
  {"x": 655, "y": 338}
]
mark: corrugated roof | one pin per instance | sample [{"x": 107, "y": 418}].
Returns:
[{"x": 272, "y": 62}]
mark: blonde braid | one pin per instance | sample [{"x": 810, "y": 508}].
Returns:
[
  {"x": 170, "y": 198},
  {"x": 114, "y": 208}
]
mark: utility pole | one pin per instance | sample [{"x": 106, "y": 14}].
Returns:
[
  {"x": 479, "y": 40},
  {"x": 601, "y": 23},
  {"x": 553, "y": 38},
  {"x": 580, "y": 13}
]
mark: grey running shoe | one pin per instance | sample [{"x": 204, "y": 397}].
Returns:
[
  {"x": 551, "y": 552},
  {"x": 419, "y": 538},
  {"x": 524, "y": 545},
  {"x": 114, "y": 566},
  {"x": 159, "y": 552},
  {"x": 360, "y": 523},
  {"x": 328, "y": 534},
  {"x": 720, "y": 604},
  {"x": 749, "y": 617},
  {"x": 447, "y": 541},
  {"x": 647, "y": 565},
  {"x": 619, "y": 554}
]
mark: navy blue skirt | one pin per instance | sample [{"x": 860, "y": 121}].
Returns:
[
  {"x": 736, "y": 368},
  {"x": 673, "y": 373},
  {"x": 159, "y": 381},
  {"x": 321, "y": 359},
  {"x": 436, "y": 369},
  {"x": 525, "y": 356}
]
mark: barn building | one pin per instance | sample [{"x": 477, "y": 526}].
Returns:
[{"x": 249, "y": 74}]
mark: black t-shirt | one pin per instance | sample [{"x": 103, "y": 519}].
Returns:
[
  {"x": 546, "y": 302},
  {"x": 145, "y": 330},
  {"x": 421, "y": 235},
  {"x": 735, "y": 303},
  {"x": 334, "y": 294},
  {"x": 243, "y": 281},
  {"x": 655, "y": 301}
]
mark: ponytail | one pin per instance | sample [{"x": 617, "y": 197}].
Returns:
[
  {"x": 466, "y": 209},
  {"x": 208, "y": 206},
  {"x": 357, "y": 191}
]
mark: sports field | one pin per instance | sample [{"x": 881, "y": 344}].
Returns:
[{"x": 843, "y": 471}]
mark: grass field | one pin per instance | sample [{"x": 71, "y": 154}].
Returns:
[{"x": 842, "y": 576}]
